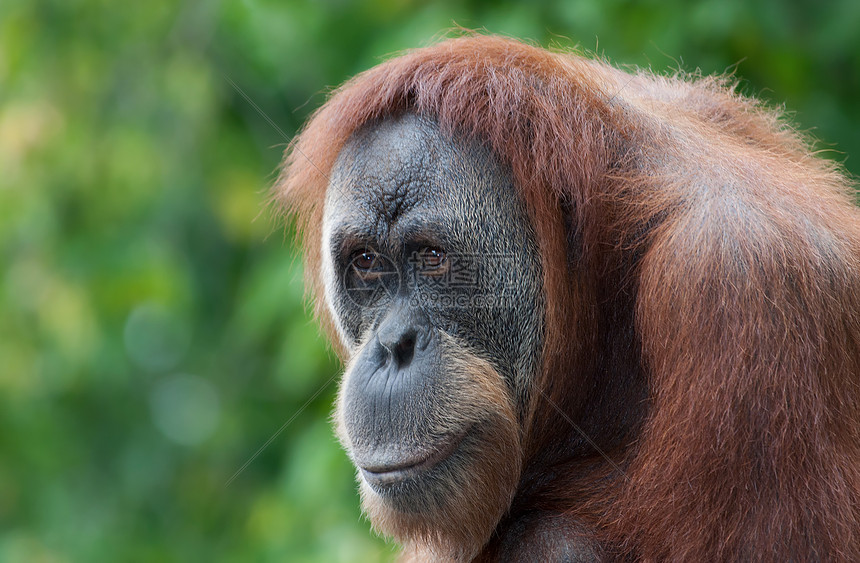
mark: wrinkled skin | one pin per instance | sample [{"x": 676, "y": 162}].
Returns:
[{"x": 434, "y": 283}]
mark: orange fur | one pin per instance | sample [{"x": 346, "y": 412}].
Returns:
[{"x": 691, "y": 245}]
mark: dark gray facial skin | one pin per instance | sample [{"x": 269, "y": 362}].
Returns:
[{"x": 427, "y": 252}]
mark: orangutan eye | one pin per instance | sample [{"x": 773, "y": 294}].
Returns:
[
  {"x": 366, "y": 261},
  {"x": 433, "y": 258},
  {"x": 433, "y": 261},
  {"x": 370, "y": 266}
]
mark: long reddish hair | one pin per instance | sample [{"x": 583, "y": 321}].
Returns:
[{"x": 701, "y": 371}]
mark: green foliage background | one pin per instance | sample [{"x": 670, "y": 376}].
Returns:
[{"x": 152, "y": 331}]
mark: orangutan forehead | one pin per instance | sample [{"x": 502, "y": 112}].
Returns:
[
  {"x": 403, "y": 166},
  {"x": 388, "y": 169}
]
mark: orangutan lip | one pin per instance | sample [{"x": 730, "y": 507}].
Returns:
[{"x": 411, "y": 467}]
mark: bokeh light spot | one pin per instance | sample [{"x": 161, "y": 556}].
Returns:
[
  {"x": 155, "y": 339},
  {"x": 185, "y": 408}
]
